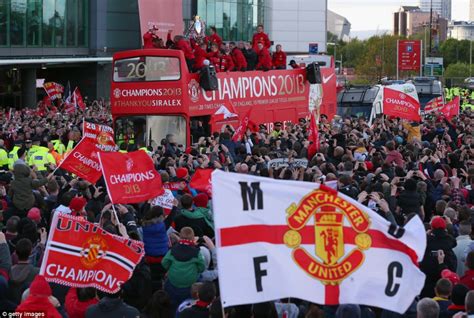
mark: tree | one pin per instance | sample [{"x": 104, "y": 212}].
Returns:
[{"x": 457, "y": 70}]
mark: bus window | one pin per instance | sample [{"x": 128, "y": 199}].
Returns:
[
  {"x": 150, "y": 129},
  {"x": 147, "y": 69}
]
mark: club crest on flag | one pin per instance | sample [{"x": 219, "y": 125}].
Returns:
[
  {"x": 129, "y": 164},
  {"x": 93, "y": 250},
  {"x": 331, "y": 265}
]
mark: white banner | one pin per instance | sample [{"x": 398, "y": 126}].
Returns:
[
  {"x": 165, "y": 200},
  {"x": 285, "y": 162},
  {"x": 279, "y": 239}
]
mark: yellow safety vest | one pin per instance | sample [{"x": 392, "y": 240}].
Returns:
[
  {"x": 70, "y": 145},
  {"x": 123, "y": 151},
  {"x": 3, "y": 158},
  {"x": 41, "y": 158},
  {"x": 59, "y": 146},
  {"x": 12, "y": 157}
]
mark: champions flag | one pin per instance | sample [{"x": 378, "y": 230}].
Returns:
[
  {"x": 81, "y": 254},
  {"x": 83, "y": 161},
  {"x": 201, "y": 181},
  {"x": 434, "y": 104},
  {"x": 101, "y": 135},
  {"x": 451, "y": 109},
  {"x": 130, "y": 177},
  {"x": 278, "y": 239},
  {"x": 399, "y": 104}
]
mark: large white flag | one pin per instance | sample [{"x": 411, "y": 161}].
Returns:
[{"x": 279, "y": 239}]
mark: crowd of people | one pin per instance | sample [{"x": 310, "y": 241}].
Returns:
[
  {"x": 397, "y": 168},
  {"x": 225, "y": 57}
]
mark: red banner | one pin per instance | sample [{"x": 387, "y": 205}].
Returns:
[
  {"x": 83, "y": 161},
  {"x": 201, "y": 181},
  {"x": 130, "y": 177},
  {"x": 409, "y": 55},
  {"x": 313, "y": 137},
  {"x": 174, "y": 186},
  {"x": 399, "y": 104},
  {"x": 79, "y": 102},
  {"x": 451, "y": 108},
  {"x": 81, "y": 254},
  {"x": 329, "y": 84},
  {"x": 163, "y": 14},
  {"x": 54, "y": 90},
  {"x": 101, "y": 135},
  {"x": 242, "y": 129}
]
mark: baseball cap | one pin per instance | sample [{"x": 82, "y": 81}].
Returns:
[
  {"x": 77, "y": 204},
  {"x": 34, "y": 214},
  {"x": 451, "y": 276}
]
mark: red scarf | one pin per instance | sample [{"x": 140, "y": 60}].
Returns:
[
  {"x": 187, "y": 242},
  {"x": 456, "y": 307},
  {"x": 202, "y": 304}
]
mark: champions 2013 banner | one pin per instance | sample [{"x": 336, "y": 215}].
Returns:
[
  {"x": 81, "y": 254},
  {"x": 279, "y": 239}
]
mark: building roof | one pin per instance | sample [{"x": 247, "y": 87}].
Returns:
[{"x": 409, "y": 8}]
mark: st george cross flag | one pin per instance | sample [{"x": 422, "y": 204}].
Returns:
[
  {"x": 81, "y": 254},
  {"x": 242, "y": 129},
  {"x": 278, "y": 239},
  {"x": 83, "y": 161},
  {"x": 399, "y": 104},
  {"x": 130, "y": 177},
  {"x": 101, "y": 135}
]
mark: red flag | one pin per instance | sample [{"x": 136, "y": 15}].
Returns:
[
  {"x": 83, "y": 161},
  {"x": 434, "y": 104},
  {"x": 399, "y": 104},
  {"x": 78, "y": 99},
  {"x": 54, "y": 90},
  {"x": 451, "y": 108},
  {"x": 101, "y": 135},
  {"x": 201, "y": 181},
  {"x": 130, "y": 177},
  {"x": 242, "y": 129},
  {"x": 313, "y": 137},
  {"x": 81, "y": 254}
]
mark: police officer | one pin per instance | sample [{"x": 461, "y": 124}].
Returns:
[
  {"x": 3, "y": 156},
  {"x": 13, "y": 156},
  {"x": 41, "y": 158}
]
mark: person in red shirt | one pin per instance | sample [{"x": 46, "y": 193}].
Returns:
[
  {"x": 260, "y": 37},
  {"x": 468, "y": 278},
  {"x": 148, "y": 38},
  {"x": 226, "y": 63},
  {"x": 238, "y": 57},
  {"x": 214, "y": 56},
  {"x": 213, "y": 38},
  {"x": 180, "y": 43},
  {"x": 264, "y": 58},
  {"x": 293, "y": 64},
  {"x": 200, "y": 55},
  {"x": 279, "y": 58}
]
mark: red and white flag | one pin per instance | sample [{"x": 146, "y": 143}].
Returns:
[
  {"x": 54, "y": 90},
  {"x": 279, "y": 238},
  {"x": 78, "y": 101},
  {"x": 399, "y": 104},
  {"x": 242, "y": 129},
  {"x": 434, "y": 104},
  {"x": 223, "y": 113},
  {"x": 130, "y": 177},
  {"x": 101, "y": 135},
  {"x": 83, "y": 161},
  {"x": 313, "y": 137},
  {"x": 81, "y": 254},
  {"x": 451, "y": 109},
  {"x": 201, "y": 181}
]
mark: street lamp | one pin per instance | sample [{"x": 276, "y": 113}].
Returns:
[{"x": 335, "y": 56}]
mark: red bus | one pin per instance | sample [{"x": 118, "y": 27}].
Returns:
[{"x": 154, "y": 94}]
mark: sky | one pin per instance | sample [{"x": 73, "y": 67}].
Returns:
[{"x": 378, "y": 14}]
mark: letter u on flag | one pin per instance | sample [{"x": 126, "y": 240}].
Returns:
[
  {"x": 130, "y": 177},
  {"x": 83, "y": 161},
  {"x": 81, "y": 254},
  {"x": 279, "y": 239}
]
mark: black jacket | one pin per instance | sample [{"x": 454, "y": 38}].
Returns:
[
  {"x": 251, "y": 57},
  {"x": 199, "y": 226},
  {"x": 111, "y": 308},
  {"x": 194, "y": 312},
  {"x": 410, "y": 202},
  {"x": 437, "y": 240}
]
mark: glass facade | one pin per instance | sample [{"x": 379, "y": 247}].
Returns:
[
  {"x": 235, "y": 20},
  {"x": 44, "y": 23}
]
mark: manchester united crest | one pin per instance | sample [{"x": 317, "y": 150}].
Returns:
[
  {"x": 193, "y": 90},
  {"x": 338, "y": 225},
  {"x": 93, "y": 250}
]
